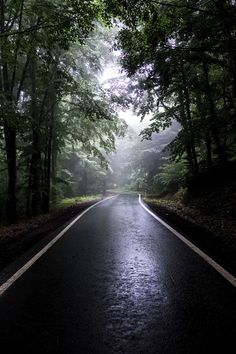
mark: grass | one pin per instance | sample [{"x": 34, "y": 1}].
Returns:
[
  {"x": 71, "y": 201},
  {"x": 168, "y": 199},
  {"x": 159, "y": 201}
]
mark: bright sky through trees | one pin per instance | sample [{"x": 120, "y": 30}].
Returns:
[{"x": 110, "y": 74}]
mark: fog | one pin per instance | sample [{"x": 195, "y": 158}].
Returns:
[
  {"x": 113, "y": 74},
  {"x": 136, "y": 161}
]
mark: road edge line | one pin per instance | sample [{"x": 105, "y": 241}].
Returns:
[
  {"x": 223, "y": 272},
  {"x": 38, "y": 255}
]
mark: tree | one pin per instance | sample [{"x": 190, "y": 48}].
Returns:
[{"x": 181, "y": 56}]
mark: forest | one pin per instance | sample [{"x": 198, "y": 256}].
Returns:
[
  {"x": 61, "y": 131},
  {"x": 118, "y": 176}
]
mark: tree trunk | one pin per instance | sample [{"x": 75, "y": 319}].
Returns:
[
  {"x": 85, "y": 181},
  {"x": 47, "y": 174},
  {"x": 36, "y": 198},
  {"x": 36, "y": 162},
  {"x": 189, "y": 120},
  {"x": 205, "y": 131},
  {"x": 49, "y": 148},
  {"x": 215, "y": 132},
  {"x": 9, "y": 129},
  {"x": 10, "y": 140},
  {"x": 209, "y": 151},
  {"x": 54, "y": 169},
  {"x": 29, "y": 191}
]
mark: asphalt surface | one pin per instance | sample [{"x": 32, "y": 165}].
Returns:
[{"x": 119, "y": 282}]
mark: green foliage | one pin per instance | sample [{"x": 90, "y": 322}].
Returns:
[
  {"x": 181, "y": 59},
  {"x": 80, "y": 173},
  {"x": 170, "y": 178},
  {"x": 50, "y": 98}
]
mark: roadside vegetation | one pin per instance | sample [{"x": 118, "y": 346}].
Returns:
[
  {"x": 76, "y": 200},
  {"x": 19, "y": 238}
]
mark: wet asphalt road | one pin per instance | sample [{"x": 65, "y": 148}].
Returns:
[{"x": 119, "y": 282}]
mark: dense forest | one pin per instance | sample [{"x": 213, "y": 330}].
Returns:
[
  {"x": 59, "y": 124},
  {"x": 53, "y": 111},
  {"x": 182, "y": 60}
]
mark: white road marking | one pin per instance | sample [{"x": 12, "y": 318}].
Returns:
[
  {"x": 23, "y": 269},
  {"x": 194, "y": 248}
]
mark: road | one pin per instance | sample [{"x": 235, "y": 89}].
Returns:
[{"x": 119, "y": 282}]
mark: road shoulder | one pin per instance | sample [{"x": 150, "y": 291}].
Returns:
[
  {"x": 215, "y": 247},
  {"x": 18, "y": 239}
]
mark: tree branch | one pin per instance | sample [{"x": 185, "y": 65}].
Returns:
[{"x": 180, "y": 6}]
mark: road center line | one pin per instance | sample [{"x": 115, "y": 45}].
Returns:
[
  {"x": 229, "y": 277},
  {"x": 23, "y": 269}
]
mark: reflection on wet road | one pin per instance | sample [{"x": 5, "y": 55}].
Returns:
[
  {"x": 135, "y": 286},
  {"x": 119, "y": 282}
]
